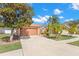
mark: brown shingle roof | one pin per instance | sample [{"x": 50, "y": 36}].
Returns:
[{"x": 35, "y": 25}]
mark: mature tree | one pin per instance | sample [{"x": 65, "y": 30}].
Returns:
[{"x": 15, "y": 15}]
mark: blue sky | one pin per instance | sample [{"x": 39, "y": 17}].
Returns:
[{"x": 65, "y": 12}]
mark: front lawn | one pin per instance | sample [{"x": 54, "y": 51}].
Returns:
[
  {"x": 6, "y": 45},
  {"x": 62, "y": 37},
  {"x": 76, "y": 43},
  {"x": 3, "y": 35},
  {"x": 10, "y": 46}
]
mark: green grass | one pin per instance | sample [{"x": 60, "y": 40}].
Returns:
[
  {"x": 3, "y": 35},
  {"x": 62, "y": 37},
  {"x": 10, "y": 47},
  {"x": 76, "y": 43}
]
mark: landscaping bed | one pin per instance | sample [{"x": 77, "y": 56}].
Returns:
[
  {"x": 76, "y": 43},
  {"x": 62, "y": 37}
]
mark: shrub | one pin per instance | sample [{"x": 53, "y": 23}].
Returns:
[
  {"x": 46, "y": 33},
  {"x": 16, "y": 37},
  {"x": 77, "y": 32}
]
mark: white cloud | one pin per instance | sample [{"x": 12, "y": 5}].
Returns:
[
  {"x": 44, "y": 9},
  {"x": 41, "y": 19},
  {"x": 57, "y": 11},
  {"x": 47, "y": 16},
  {"x": 61, "y": 17},
  {"x": 69, "y": 20},
  {"x": 75, "y": 6}
]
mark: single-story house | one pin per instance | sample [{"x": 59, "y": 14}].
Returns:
[{"x": 33, "y": 29}]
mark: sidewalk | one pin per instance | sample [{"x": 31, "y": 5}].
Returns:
[
  {"x": 69, "y": 40},
  {"x": 12, "y": 53}
]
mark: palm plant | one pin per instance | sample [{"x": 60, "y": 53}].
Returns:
[{"x": 54, "y": 26}]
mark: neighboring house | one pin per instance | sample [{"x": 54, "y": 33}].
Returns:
[
  {"x": 69, "y": 23},
  {"x": 5, "y": 31},
  {"x": 64, "y": 32},
  {"x": 43, "y": 29}
]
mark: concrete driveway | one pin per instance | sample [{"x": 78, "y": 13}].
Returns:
[{"x": 41, "y": 46}]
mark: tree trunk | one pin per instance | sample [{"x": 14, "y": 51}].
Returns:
[
  {"x": 50, "y": 33},
  {"x": 58, "y": 35},
  {"x": 11, "y": 36},
  {"x": 19, "y": 33}
]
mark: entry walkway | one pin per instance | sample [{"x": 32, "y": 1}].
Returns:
[{"x": 41, "y": 46}]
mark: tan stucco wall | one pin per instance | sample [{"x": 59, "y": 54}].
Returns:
[{"x": 30, "y": 31}]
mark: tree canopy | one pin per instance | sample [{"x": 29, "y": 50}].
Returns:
[{"x": 15, "y": 15}]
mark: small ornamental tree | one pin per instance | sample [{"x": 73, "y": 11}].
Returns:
[
  {"x": 15, "y": 16},
  {"x": 54, "y": 27}
]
